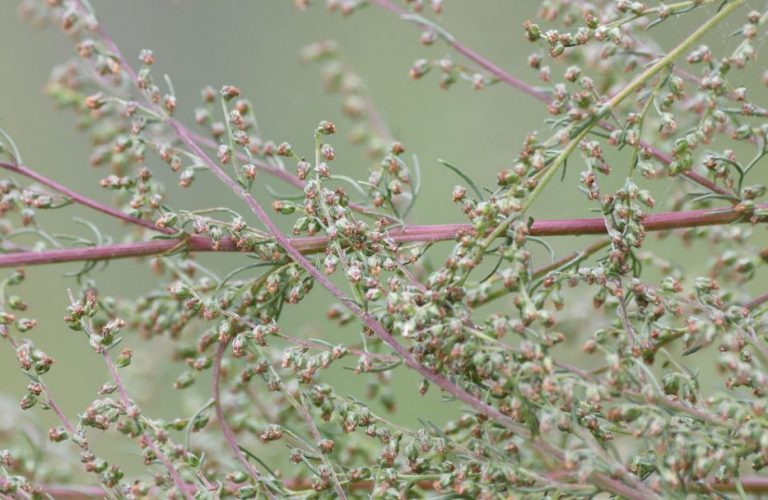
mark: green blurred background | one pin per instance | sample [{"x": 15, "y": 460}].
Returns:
[{"x": 254, "y": 44}]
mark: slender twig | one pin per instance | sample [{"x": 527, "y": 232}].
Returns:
[
  {"x": 315, "y": 433},
  {"x": 274, "y": 170},
  {"x": 757, "y": 301},
  {"x": 680, "y": 407},
  {"x": 752, "y": 484},
  {"x": 623, "y": 314},
  {"x": 59, "y": 413},
  {"x": 476, "y": 58},
  {"x": 95, "y": 253},
  {"x": 572, "y": 258},
  {"x": 568, "y": 261},
  {"x": 79, "y": 198},
  {"x": 670, "y": 9},
  {"x": 663, "y": 400},
  {"x": 229, "y": 435}
]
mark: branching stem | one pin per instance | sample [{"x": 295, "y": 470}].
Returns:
[{"x": 663, "y": 221}]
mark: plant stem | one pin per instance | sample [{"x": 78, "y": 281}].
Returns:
[
  {"x": 312, "y": 244},
  {"x": 757, "y": 301},
  {"x": 569, "y": 260},
  {"x": 73, "y": 491}
]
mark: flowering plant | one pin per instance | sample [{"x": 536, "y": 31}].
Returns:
[{"x": 482, "y": 322}]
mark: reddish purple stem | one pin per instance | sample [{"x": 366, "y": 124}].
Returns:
[
  {"x": 757, "y": 301},
  {"x": 311, "y": 244},
  {"x": 78, "y": 198}
]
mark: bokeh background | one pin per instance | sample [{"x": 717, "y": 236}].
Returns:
[{"x": 255, "y": 45}]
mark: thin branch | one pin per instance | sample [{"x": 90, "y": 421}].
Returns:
[
  {"x": 757, "y": 301},
  {"x": 73, "y": 491},
  {"x": 59, "y": 413},
  {"x": 572, "y": 258},
  {"x": 751, "y": 484},
  {"x": 78, "y": 198},
  {"x": 478, "y": 59},
  {"x": 314, "y": 432},
  {"x": 623, "y": 314},
  {"x": 96, "y": 253},
  {"x": 660, "y": 400},
  {"x": 230, "y": 437}
]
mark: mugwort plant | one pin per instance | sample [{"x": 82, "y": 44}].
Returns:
[{"x": 482, "y": 321}]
